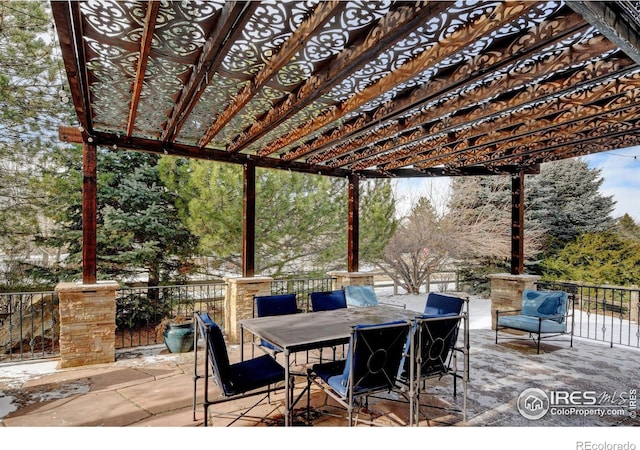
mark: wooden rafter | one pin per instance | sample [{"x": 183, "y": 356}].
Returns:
[
  {"x": 502, "y": 14},
  {"x": 323, "y": 12},
  {"x": 561, "y": 96},
  {"x": 430, "y": 121},
  {"x": 467, "y": 74},
  {"x": 614, "y": 122},
  {"x": 68, "y": 23},
  {"x": 383, "y": 35},
  {"x": 145, "y": 49},
  {"x": 520, "y": 108},
  {"x": 232, "y": 19},
  {"x": 607, "y": 17}
]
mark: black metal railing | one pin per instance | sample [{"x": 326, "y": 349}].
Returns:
[
  {"x": 603, "y": 313},
  {"x": 302, "y": 287},
  {"x": 29, "y": 326},
  {"x": 140, "y": 310}
]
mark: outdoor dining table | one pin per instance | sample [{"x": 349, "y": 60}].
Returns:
[{"x": 309, "y": 331}]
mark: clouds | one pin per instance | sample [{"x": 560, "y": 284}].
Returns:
[{"x": 620, "y": 170}]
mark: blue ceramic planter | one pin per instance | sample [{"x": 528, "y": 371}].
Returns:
[{"x": 179, "y": 337}]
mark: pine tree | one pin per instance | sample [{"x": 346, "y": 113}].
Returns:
[
  {"x": 31, "y": 108},
  {"x": 140, "y": 233},
  {"x": 300, "y": 218},
  {"x": 565, "y": 199}
]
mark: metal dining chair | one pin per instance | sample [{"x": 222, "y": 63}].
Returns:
[
  {"x": 371, "y": 366},
  {"x": 256, "y": 376}
]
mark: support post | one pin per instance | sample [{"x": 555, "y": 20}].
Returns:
[
  {"x": 353, "y": 225},
  {"x": 249, "y": 220},
  {"x": 89, "y": 212},
  {"x": 517, "y": 224}
]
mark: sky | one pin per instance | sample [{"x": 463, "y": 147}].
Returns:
[{"x": 620, "y": 170}]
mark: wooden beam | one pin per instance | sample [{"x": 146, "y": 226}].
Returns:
[
  {"x": 89, "y": 213},
  {"x": 444, "y": 84},
  {"x": 517, "y": 224},
  {"x": 66, "y": 15},
  {"x": 467, "y": 34},
  {"x": 521, "y": 109},
  {"x": 321, "y": 14},
  {"x": 249, "y": 220},
  {"x": 231, "y": 22},
  {"x": 145, "y": 49},
  {"x": 521, "y": 90},
  {"x": 70, "y": 134},
  {"x": 360, "y": 52},
  {"x": 353, "y": 224},
  {"x": 607, "y": 18}
]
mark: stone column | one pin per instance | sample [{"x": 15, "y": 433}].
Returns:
[
  {"x": 238, "y": 302},
  {"x": 342, "y": 279},
  {"x": 87, "y": 323},
  {"x": 506, "y": 292}
]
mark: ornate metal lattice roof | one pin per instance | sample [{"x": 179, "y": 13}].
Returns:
[{"x": 380, "y": 88}]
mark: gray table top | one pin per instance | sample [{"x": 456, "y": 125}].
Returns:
[{"x": 304, "y": 331}]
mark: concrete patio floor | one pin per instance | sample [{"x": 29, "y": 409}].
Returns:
[{"x": 153, "y": 388}]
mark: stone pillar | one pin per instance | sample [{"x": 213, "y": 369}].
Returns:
[
  {"x": 506, "y": 292},
  {"x": 633, "y": 306},
  {"x": 342, "y": 279},
  {"x": 87, "y": 323},
  {"x": 238, "y": 302}
]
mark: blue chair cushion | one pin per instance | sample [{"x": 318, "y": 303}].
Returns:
[
  {"x": 529, "y": 323},
  {"x": 276, "y": 305},
  {"x": 546, "y": 304},
  {"x": 254, "y": 373},
  {"x": 360, "y": 296},
  {"x": 441, "y": 304},
  {"x": 326, "y": 301}
]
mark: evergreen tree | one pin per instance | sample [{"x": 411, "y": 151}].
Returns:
[
  {"x": 300, "y": 218},
  {"x": 565, "y": 199},
  {"x": 33, "y": 103},
  {"x": 628, "y": 228},
  {"x": 599, "y": 258},
  {"x": 139, "y": 230}
]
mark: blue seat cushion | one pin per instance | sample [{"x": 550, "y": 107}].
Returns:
[
  {"x": 360, "y": 296},
  {"x": 546, "y": 304},
  {"x": 254, "y": 373},
  {"x": 529, "y": 323}
]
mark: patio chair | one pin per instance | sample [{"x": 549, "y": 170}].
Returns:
[
  {"x": 363, "y": 296},
  {"x": 257, "y": 376},
  {"x": 273, "y": 305},
  {"x": 371, "y": 366},
  {"x": 327, "y": 301},
  {"x": 439, "y": 304},
  {"x": 543, "y": 315},
  {"x": 434, "y": 352}
]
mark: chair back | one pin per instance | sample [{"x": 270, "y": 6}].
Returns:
[
  {"x": 360, "y": 296},
  {"x": 440, "y": 304},
  {"x": 328, "y": 300},
  {"x": 275, "y": 305},
  {"x": 216, "y": 352},
  {"x": 375, "y": 352},
  {"x": 434, "y": 340},
  {"x": 546, "y": 304}
]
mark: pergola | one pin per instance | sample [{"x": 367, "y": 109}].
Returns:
[{"x": 355, "y": 89}]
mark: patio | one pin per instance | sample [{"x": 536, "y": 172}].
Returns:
[{"x": 153, "y": 388}]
